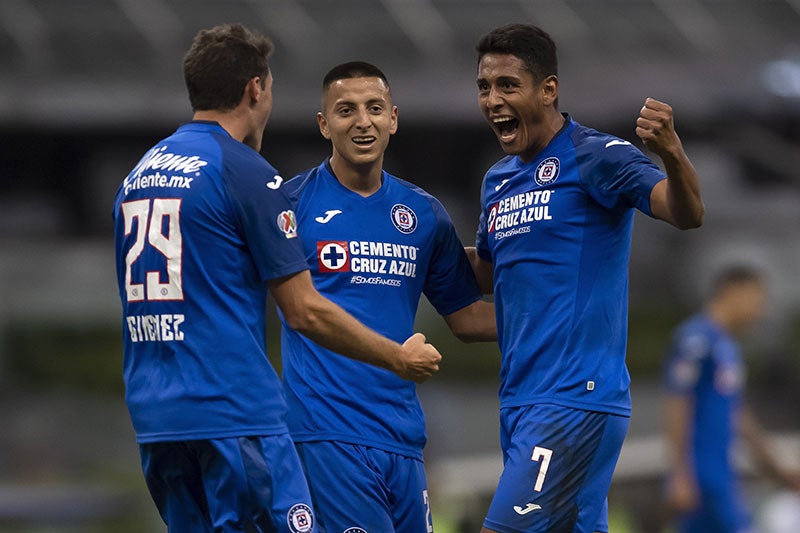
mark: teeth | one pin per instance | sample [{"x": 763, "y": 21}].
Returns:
[
  {"x": 363, "y": 139},
  {"x": 500, "y": 120}
]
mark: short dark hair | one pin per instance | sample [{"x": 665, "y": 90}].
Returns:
[
  {"x": 353, "y": 69},
  {"x": 531, "y": 44},
  {"x": 735, "y": 275},
  {"x": 220, "y": 63}
]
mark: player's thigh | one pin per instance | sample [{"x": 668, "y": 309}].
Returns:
[
  {"x": 593, "y": 497},
  {"x": 411, "y": 509},
  {"x": 175, "y": 483},
  {"x": 349, "y": 489},
  {"x": 557, "y": 469},
  {"x": 255, "y": 484}
]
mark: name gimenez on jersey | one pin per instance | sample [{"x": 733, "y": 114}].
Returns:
[
  {"x": 367, "y": 257},
  {"x": 159, "y": 159},
  {"x": 513, "y": 211},
  {"x": 152, "y": 328}
]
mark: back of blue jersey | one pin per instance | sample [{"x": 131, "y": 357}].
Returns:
[
  {"x": 705, "y": 364},
  {"x": 375, "y": 257},
  {"x": 200, "y": 224},
  {"x": 557, "y": 230}
]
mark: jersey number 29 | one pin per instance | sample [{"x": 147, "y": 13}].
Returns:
[{"x": 150, "y": 229}]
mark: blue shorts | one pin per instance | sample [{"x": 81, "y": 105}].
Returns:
[
  {"x": 721, "y": 510},
  {"x": 358, "y": 489},
  {"x": 557, "y": 468},
  {"x": 253, "y": 484}
]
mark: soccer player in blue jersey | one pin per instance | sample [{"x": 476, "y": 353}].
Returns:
[
  {"x": 374, "y": 244},
  {"x": 202, "y": 228},
  {"x": 705, "y": 409},
  {"x": 553, "y": 244}
]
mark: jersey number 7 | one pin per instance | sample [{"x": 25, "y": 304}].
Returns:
[
  {"x": 544, "y": 455},
  {"x": 150, "y": 229}
]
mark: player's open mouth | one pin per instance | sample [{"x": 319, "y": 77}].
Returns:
[
  {"x": 365, "y": 140},
  {"x": 506, "y": 127}
]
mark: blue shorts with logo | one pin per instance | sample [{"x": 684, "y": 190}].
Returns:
[
  {"x": 253, "y": 484},
  {"x": 557, "y": 468},
  {"x": 360, "y": 489}
]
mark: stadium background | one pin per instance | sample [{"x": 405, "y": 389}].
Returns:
[{"x": 87, "y": 85}]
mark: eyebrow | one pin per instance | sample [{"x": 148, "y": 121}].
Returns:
[
  {"x": 368, "y": 102},
  {"x": 502, "y": 78}
]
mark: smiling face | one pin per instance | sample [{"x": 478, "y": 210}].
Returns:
[
  {"x": 358, "y": 117},
  {"x": 520, "y": 109}
]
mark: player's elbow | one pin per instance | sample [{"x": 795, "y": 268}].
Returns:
[
  {"x": 298, "y": 321},
  {"x": 699, "y": 216},
  {"x": 305, "y": 319},
  {"x": 309, "y": 324},
  {"x": 460, "y": 327},
  {"x": 685, "y": 217},
  {"x": 465, "y": 334},
  {"x": 474, "y": 323},
  {"x": 692, "y": 220}
]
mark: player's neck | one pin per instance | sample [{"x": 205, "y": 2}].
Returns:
[
  {"x": 363, "y": 179},
  {"x": 234, "y": 123},
  {"x": 551, "y": 127}
]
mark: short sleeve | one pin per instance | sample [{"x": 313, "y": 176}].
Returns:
[
  {"x": 267, "y": 217},
  {"x": 618, "y": 175},
  {"x": 450, "y": 284}
]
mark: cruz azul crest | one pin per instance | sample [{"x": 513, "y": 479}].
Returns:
[
  {"x": 403, "y": 218},
  {"x": 547, "y": 171}
]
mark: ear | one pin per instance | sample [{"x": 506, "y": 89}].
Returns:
[
  {"x": 550, "y": 90},
  {"x": 394, "y": 124},
  {"x": 253, "y": 91},
  {"x": 323, "y": 126}
]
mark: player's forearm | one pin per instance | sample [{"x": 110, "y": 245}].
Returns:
[
  {"x": 756, "y": 440},
  {"x": 332, "y": 327},
  {"x": 678, "y": 420},
  {"x": 308, "y": 312},
  {"x": 684, "y": 198},
  {"x": 681, "y": 205}
]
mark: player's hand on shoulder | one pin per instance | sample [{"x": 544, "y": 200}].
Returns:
[
  {"x": 656, "y": 128},
  {"x": 419, "y": 359}
]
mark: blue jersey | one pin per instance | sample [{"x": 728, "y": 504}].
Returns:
[
  {"x": 705, "y": 363},
  {"x": 558, "y": 232},
  {"x": 200, "y": 224},
  {"x": 375, "y": 257}
]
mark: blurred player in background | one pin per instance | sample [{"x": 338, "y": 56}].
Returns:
[
  {"x": 374, "y": 244},
  {"x": 705, "y": 412},
  {"x": 202, "y": 226},
  {"x": 553, "y": 244}
]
